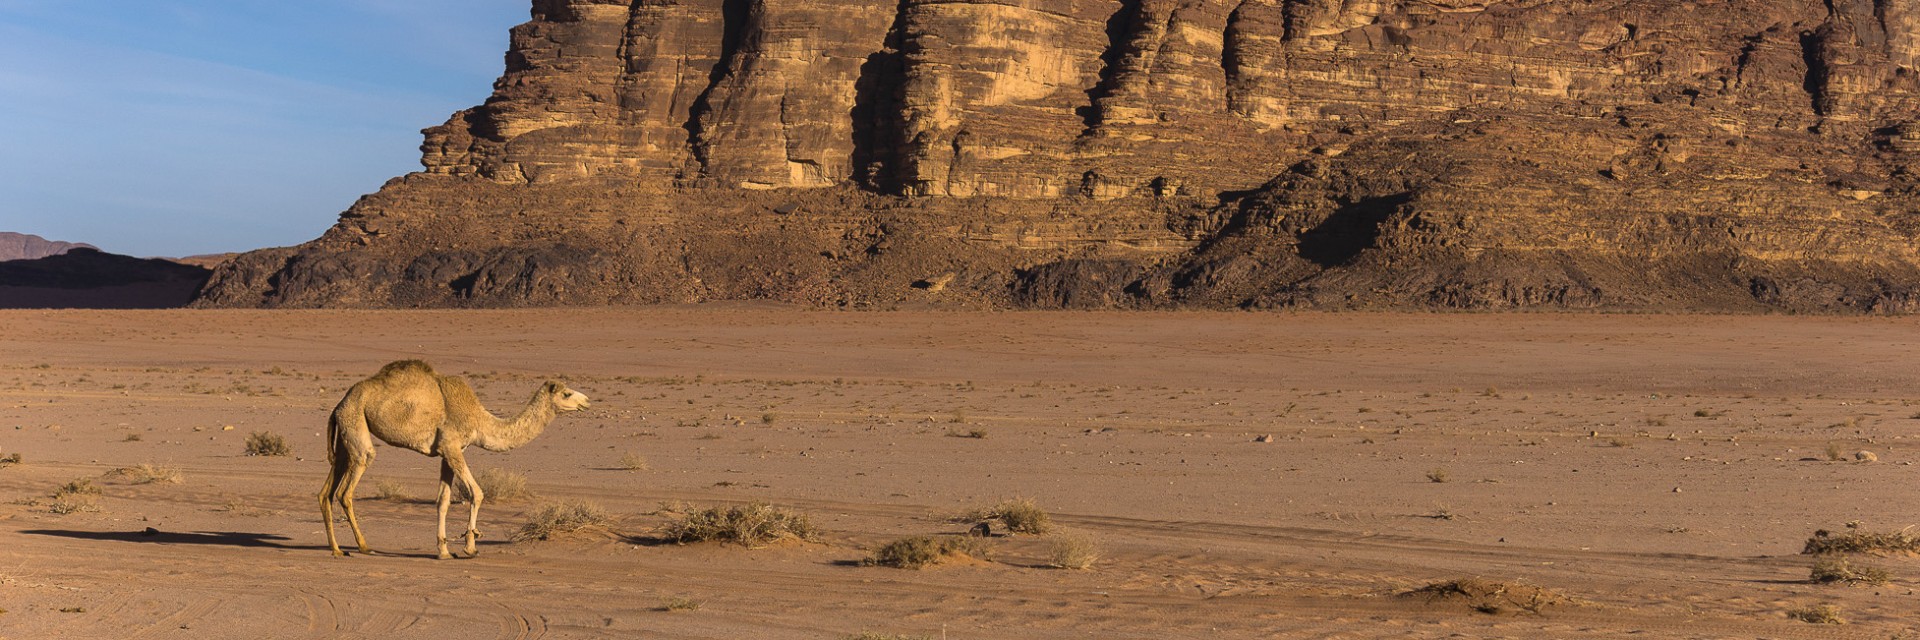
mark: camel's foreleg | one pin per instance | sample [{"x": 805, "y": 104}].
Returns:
[
  {"x": 459, "y": 463},
  {"x": 446, "y": 497}
]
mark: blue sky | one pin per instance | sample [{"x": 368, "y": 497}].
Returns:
[{"x": 171, "y": 128}]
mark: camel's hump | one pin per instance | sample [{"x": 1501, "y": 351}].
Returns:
[{"x": 399, "y": 366}]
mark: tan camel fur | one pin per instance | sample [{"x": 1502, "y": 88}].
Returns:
[{"x": 409, "y": 406}]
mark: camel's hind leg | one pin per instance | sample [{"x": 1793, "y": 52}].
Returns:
[
  {"x": 446, "y": 497},
  {"x": 335, "y": 473},
  {"x": 358, "y": 466},
  {"x": 476, "y": 496}
]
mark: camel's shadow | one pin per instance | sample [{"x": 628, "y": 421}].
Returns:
[{"x": 225, "y": 538}]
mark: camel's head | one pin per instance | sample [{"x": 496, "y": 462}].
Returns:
[{"x": 566, "y": 399}]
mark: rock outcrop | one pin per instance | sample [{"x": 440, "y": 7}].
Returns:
[{"x": 1706, "y": 155}]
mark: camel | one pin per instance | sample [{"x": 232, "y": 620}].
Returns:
[{"x": 409, "y": 406}]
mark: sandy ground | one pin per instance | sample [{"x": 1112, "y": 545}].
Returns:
[{"x": 1661, "y": 472}]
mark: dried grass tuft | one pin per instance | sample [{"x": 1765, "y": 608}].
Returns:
[
  {"x": 148, "y": 473},
  {"x": 1895, "y": 542},
  {"x": 267, "y": 443},
  {"x": 752, "y": 525},
  {"x": 562, "y": 518},
  {"x": 1833, "y": 568},
  {"x": 1020, "y": 515},
  {"x": 920, "y": 552},
  {"x": 1491, "y": 597}
]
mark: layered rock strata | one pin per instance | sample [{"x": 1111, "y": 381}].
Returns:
[{"x": 1734, "y": 154}]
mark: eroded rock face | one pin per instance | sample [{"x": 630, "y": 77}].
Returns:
[{"x": 1730, "y": 154}]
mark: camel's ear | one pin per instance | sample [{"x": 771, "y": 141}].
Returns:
[{"x": 551, "y": 387}]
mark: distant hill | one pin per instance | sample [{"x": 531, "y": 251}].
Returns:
[
  {"x": 26, "y": 246},
  {"x": 87, "y": 278}
]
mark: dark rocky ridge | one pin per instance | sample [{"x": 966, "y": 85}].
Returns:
[
  {"x": 1735, "y": 155},
  {"x": 83, "y": 277}
]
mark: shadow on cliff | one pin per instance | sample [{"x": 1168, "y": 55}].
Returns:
[
  {"x": 1353, "y": 228},
  {"x": 86, "y": 278}
]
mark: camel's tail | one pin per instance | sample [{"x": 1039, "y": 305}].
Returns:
[{"x": 334, "y": 429}]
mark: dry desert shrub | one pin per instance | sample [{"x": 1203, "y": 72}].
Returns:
[
  {"x": 1829, "y": 569},
  {"x": 237, "y": 507},
  {"x": 561, "y": 518},
  {"x": 679, "y": 603},
  {"x": 502, "y": 484},
  {"x": 920, "y": 552},
  {"x": 1438, "y": 475},
  {"x": 391, "y": 491},
  {"x": 977, "y": 434},
  {"x": 1072, "y": 551},
  {"x": 633, "y": 462},
  {"x": 1491, "y": 597},
  {"x": 10, "y": 459},
  {"x": 267, "y": 443},
  {"x": 148, "y": 473},
  {"x": 1856, "y": 541},
  {"x": 1817, "y": 614},
  {"x": 75, "y": 496},
  {"x": 869, "y": 635},
  {"x": 74, "y": 503},
  {"x": 1019, "y": 515},
  {"x": 753, "y": 525},
  {"x": 77, "y": 487}
]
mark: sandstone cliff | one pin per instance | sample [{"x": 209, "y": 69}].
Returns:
[{"x": 1713, "y": 155}]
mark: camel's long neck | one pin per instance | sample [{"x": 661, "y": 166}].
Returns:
[{"x": 521, "y": 429}]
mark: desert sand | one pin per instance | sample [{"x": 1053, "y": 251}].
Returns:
[{"x": 1660, "y": 472}]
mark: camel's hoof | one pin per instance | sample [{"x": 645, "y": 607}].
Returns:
[
  {"x": 445, "y": 556},
  {"x": 339, "y": 554}
]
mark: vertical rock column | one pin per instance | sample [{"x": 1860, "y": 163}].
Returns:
[
  {"x": 672, "y": 53},
  {"x": 990, "y": 93},
  {"x": 1164, "y": 64},
  {"x": 780, "y": 112}
]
